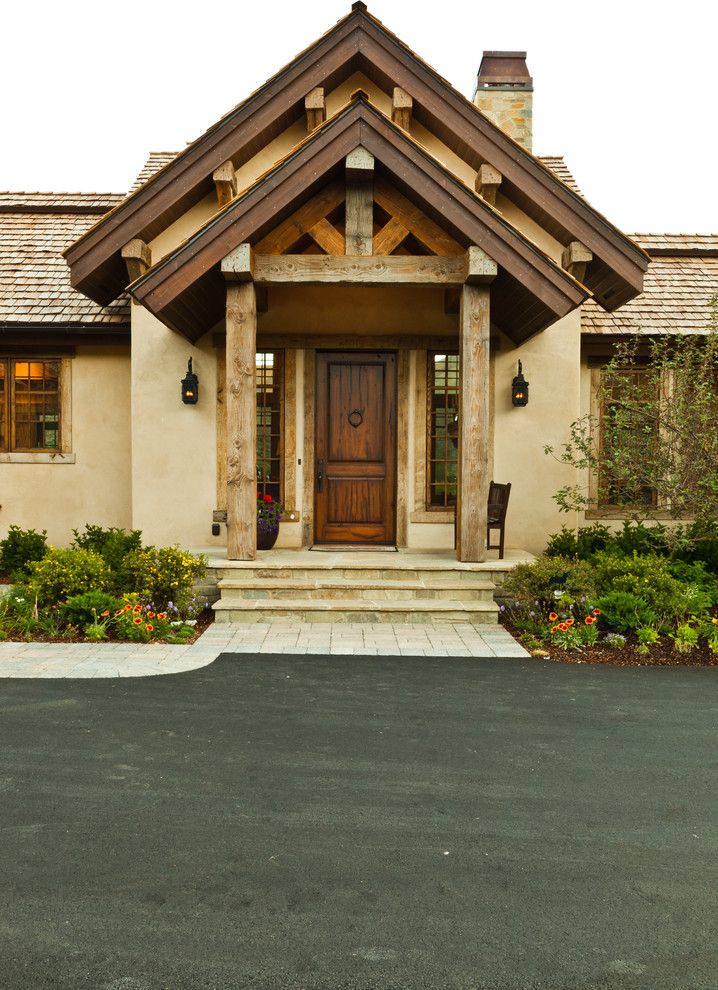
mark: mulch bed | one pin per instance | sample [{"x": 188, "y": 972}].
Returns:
[{"x": 660, "y": 654}]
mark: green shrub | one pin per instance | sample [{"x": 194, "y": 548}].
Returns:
[
  {"x": 20, "y": 548},
  {"x": 111, "y": 544},
  {"x": 685, "y": 638},
  {"x": 647, "y": 636},
  {"x": 161, "y": 575},
  {"x": 64, "y": 573},
  {"x": 542, "y": 583},
  {"x": 624, "y": 612},
  {"x": 701, "y": 545},
  {"x": 583, "y": 544},
  {"x": 79, "y": 610},
  {"x": 636, "y": 538},
  {"x": 648, "y": 577}
]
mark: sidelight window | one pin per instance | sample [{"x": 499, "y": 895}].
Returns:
[
  {"x": 442, "y": 429},
  {"x": 270, "y": 423}
]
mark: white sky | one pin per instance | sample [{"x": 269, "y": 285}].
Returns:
[{"x": 625, "y": 89}]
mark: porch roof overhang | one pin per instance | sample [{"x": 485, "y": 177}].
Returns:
[
  {"x": 358, "y": 42},
  {"x": 186, "y": 289}
]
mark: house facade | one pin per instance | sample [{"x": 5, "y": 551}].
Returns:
[{"x": 355, "y": 259}]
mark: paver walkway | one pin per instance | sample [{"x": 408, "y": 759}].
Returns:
[{"x": 144, "y": 660}]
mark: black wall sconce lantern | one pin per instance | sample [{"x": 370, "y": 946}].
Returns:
[
  {"x": 190, "y": 386},
  {"x": 520, "y": 390}
]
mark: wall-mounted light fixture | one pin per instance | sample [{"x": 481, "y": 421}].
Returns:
[
  {"x": 190, "y": 386},
  {"x": 520, "y": 390}
]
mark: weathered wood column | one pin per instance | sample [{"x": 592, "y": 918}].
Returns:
[
  {"x": 240, "y": 393},
  {"x": 473, "y": 479}
]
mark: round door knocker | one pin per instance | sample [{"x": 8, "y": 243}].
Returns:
[{"x": 356, "y": 417}]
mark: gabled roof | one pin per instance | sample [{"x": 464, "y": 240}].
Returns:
[
  {"x": 359, "y": 42},
  {"x": 681, "y": 283},
  {"x": 186, "y": 290},
  {"x": 35, "y": 290}
]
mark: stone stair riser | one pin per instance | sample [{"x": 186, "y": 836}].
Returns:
[
  {"x": 251, "y": 573},
  {"x": 304, "y": 615},
  {"x": 338, "y": 594}
]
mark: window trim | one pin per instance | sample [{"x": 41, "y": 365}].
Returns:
[{"x": 63, "y": 453}]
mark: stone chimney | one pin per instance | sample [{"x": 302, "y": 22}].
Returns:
[{"x": 504, "y": 92}]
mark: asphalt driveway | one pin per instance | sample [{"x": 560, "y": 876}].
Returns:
[{"x": 278, "y": 822}]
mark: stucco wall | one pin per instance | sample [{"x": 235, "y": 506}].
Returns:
[
  {"x": 95, "y": 488},
  {"x": 551, "y": 365}
]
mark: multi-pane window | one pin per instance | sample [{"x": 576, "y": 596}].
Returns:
[
  {"x": 442, "y": 429},
  {"x": 269, "y": 423},
  {"x": 615, "y": 491},
  {"x": 29, "y": 405}
]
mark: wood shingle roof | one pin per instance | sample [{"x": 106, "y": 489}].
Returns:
[
  {"x": 679, "y": 286},
  {"x": 35, "y": 287}
]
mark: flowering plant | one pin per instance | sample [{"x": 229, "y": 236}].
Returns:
[
  {"x": 140, "y": 623},
  {"x": 268, "y": 513}
]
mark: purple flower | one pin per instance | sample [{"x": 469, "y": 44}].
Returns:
[
  {"x": 502, "y": 608},
  {"x": 532, "y": 612}
]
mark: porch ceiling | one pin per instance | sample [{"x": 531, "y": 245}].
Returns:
[
  {"x": 186, "y": 289},
  {"x": 358, "y": 42}
]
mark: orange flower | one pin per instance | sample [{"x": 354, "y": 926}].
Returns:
[
  {"x": 150, "y": 615},
  {"x": 554, "y": 628},
  {"x": 105, "y": 613},
  {"x": 570, "y": 622},
  {"x": 562, "y": 626},
  {"x": 589, "y": 620},
  {"x": 136, "y": 609},
  {"x": 552, "y": 616},
  {"x": 137, "y": 620},
  {"x": 597, "y": 611},
  {"x": 149, "y": 627},
  {"x": 120, "y": 611},
  {"x": 161, "y": 615}
]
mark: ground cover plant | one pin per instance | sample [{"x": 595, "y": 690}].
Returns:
[
  {"x": 640, "y": 594},
  {"x": 105, "y": 585}
]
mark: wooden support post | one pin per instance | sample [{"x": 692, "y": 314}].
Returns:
[
  {"x": 225, "y": 182},
  {"x": 401, "y": 106},
  {"x": 138, "y": 258},
  {"x": 359, "y": 202},
  {"x": 315, "y": 108},
  {"x": 473, "y": 475},
  {"x": 488, "y": 180},
  {"x": 240, "y": 390},
  {"x": 575, "y": 258}
]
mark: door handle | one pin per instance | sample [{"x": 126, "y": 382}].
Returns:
[{"x": 320, "y": 475}]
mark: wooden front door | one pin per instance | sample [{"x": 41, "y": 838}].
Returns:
[{"x": 355, "y": 457}]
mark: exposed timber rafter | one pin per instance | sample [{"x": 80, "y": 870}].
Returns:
[
  {"x": 575, "y": 258},
  {"x": 488, "y": 180},
  {"x": 138, "y": 258},
  {"x": 225, "y": 183},
  {"x": 315, "y": 108},
  {"x": 401, "y": 106}
]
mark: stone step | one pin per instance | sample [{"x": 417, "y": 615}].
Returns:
[
  {"x": 252, "y": 571},
  {"x": 340, "y": 590},
  {"x": 355, "y": 610}
]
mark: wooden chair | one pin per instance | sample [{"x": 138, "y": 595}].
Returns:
[{"x": 496, "y": 516}]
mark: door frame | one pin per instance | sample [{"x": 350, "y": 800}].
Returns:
[{"x": 310, "y": 484}]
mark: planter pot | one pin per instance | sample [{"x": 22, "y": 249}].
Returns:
[{"x": 266, "y": 538}]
